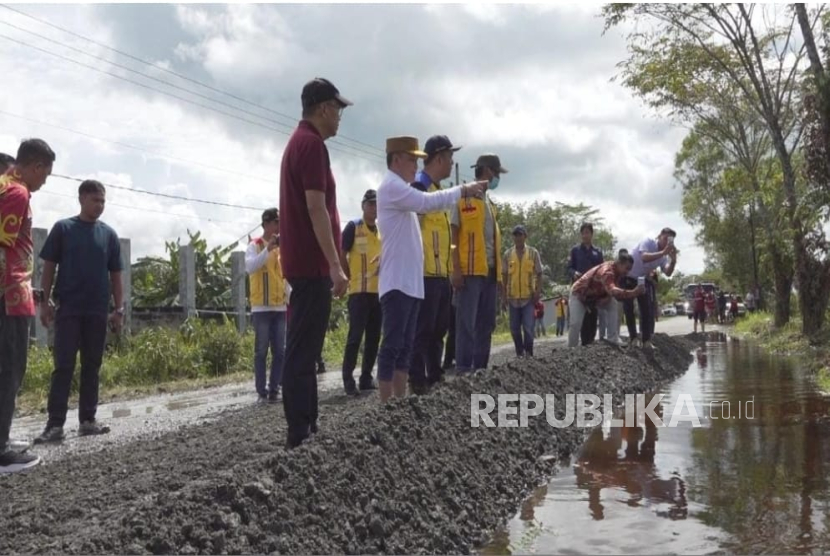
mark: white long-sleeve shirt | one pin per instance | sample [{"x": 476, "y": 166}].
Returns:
[
  {"x": 253, "y": 262},
  {"x": 402, "y": 251}
]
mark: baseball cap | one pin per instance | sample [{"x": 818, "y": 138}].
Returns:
[
  {"x": 489, "y": 161},
  {"x": 270, "y": 215},
  {"x": 519, "y": 229},
  {"x": 439, "y": 143},
  {"x": 669, "y": 232},
  {"x": 320, "y": 90},
  {"x": 371, "y": 196}
]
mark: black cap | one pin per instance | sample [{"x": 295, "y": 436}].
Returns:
[
  {"x": 439, "y": 143},
  {"x": 668, "y": 232},
  {"x": 371, "y": 196},
  {"x": 320, "y": 90},
  {"x": 270, "y": 215},
  {"x": 519, "y": 229},
  {"x": 490, "y": 161}
]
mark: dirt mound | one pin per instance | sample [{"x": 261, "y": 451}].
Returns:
[{"x": 409, "y": 477}]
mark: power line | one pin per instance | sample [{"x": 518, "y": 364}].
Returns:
[
  {"x": 145, "y": 209},
  {"x": 176, "y": 74},
  {"x": 177, "y": 87},
  {"x": 165, "y": 195},
  {"x": 116, "y": 76},
  {"x": 119, "y": 143}
]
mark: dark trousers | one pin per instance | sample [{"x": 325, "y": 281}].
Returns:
[
  {"x": 310, "y": 310},
  {"x": 449, "y": 348},
  {"x": 646, "y": 306},
  {"x": 269, "y": 331},
  {"x": 475, "y": 322},
  {"x": 433, "y": 322},
  {"x": 522, "y": 321},
  {"x": 14, "y": 353},
  {"x": 589, "y": 327},
  {"x": 400, "y": 318},
  {"x": 365, "y": 316},
  {"x": 74, "y": 333}
]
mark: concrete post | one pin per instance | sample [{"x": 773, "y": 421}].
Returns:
[
  {"x": 187, "y": 280},
  {"x": 40, "y": 333},
  {"x": 238, "y": 280},
  {"x": 127, "y": 281}
]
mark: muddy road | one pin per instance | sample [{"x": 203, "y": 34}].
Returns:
[{"x": 411, "y": 476}]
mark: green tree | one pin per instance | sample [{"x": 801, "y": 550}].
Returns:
[
  {"x": 703, "y": 54},
  {"x": 156, "y": 279}
]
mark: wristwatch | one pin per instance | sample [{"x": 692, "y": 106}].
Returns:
[{"x": 119, "y": 311}]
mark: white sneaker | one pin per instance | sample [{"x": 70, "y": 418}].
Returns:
[{"x": 648, "y": 346}]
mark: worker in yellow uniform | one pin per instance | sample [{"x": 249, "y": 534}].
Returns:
[
  {"x": 268, "y": 298},
  {"x": 434, "y": 314},
  {"x": 360, "y": 258},
  {"x": 522, "y": 269},
  {"x": 476, "y": 273}
]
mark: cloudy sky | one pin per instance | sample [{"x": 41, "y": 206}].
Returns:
[{"x": 531, "y": 83}]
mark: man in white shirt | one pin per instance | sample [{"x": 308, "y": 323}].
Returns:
[
  {"x": 649, "y": 255},
  {"x": 401, "y": 285},
  {"x": 268, "y": 298}
]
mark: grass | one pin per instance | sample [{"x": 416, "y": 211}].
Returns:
[{"x": 165, "y": 360}]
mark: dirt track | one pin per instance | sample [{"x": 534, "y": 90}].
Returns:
[{"x": 412, "y": 476}]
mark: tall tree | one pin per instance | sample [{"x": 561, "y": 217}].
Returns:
[{"x": 762, "y": 61}]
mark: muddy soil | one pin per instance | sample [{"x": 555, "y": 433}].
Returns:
[{"x": 409, "y": 477}]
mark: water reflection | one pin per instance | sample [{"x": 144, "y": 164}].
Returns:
[{"x": 746, "y": 481}]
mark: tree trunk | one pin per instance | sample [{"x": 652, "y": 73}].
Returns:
[
  {"x": 781, "y": 303},
  {"x": 813, "y": 291}
]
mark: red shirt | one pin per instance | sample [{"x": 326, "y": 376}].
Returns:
[
  {"x": 305, "y": 167},
  {"x": 598, "y": 283},
  {"x": 16, "y": 247},
  {"x": 699, "y": 300}
]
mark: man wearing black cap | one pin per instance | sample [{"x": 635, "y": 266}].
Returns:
[
  {"x": 268, "y": 305},
  {"x": 360, "y": 258},
  {"x": 436, "y": 234},
  {"x": 523, "y": 284},
  {"x": 476, "y": 273},
  {"x": 310, "y": 261}
]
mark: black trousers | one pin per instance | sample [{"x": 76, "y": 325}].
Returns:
[
  {"x": 646, "y": 306},
  {"x": 74, "y": 333},
  {"x": 365, "y": 317},
  {"x": 310, "y": 311},
  {"x": 433, "y": 323},
  {"x": 14, "y": 353},
  {"x": 449, "y": 349},
  {"x": 589, "y": 327}
]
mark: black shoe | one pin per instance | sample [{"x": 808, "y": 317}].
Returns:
[
  {"x": 50, "y": 435},
  {"x": 274, "y": 396},
  {"x": 92, "y": 428},
  {"x": 350, "y": 388},
  {"x": 368, "y": 385},
  {"x": 14, "y": 462},
  {"x": 313, "y": 427},
  {"x": 321, "y": 368},
  {"x": 419, "y": 388}
]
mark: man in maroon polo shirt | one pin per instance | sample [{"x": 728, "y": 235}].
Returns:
[{"x": 310, "y": 261}]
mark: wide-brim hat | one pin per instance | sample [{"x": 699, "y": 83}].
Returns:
[
  {"x": 404, "y": 144},
  {"x": 490, "y": 161}
]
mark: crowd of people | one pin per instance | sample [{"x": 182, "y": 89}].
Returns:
[{"x": 422, "y": 265}]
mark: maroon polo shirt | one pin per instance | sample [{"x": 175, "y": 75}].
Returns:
[{"x": 305, "y": 167}]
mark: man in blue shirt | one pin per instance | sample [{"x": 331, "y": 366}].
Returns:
[
  {"x": 584, "y": 257},
  {"x": 87, "y": 254}
]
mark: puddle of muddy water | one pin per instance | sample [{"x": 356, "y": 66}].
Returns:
[{"x": 752, "y": 478}]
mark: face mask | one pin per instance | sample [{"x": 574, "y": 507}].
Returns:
[{"x": 494, "y": 183}]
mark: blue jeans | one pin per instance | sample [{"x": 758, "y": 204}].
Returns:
[
  {"x": 522, "y": 319},
  {"x": 269, "y": 330},
  {"x": 560, "y": 326},
  {"x": 400, "y": 319},
  {"x": 475, "y": 321}
]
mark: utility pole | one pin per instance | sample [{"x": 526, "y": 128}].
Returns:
[
  {"x": 756, "y": 289},
  {"x": 456, "y": 173}
]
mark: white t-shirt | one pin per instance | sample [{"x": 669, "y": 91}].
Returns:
[
  {"x": 402, "y": 251},
  {"x": 639, "y": 269}
]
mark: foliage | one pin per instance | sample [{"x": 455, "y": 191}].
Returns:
[
  {"x": 155, "y": 356},
  {"x": 553, "y": 230},
  {"x": 156, "y": 279}
]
